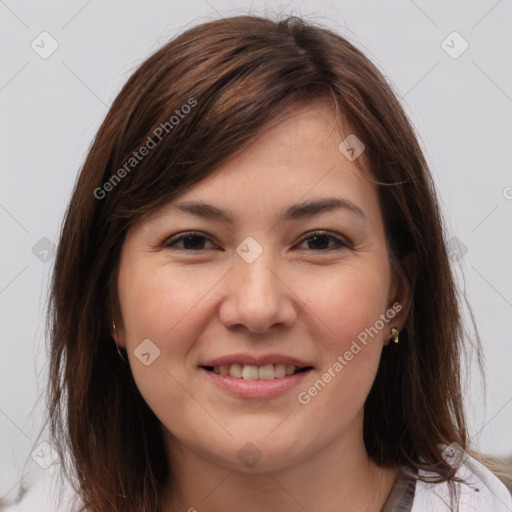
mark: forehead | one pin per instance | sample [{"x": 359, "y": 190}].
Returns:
[{"x": 293, "y": 160}]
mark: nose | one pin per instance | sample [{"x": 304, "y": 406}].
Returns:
[{"x": 257, "y": 298}]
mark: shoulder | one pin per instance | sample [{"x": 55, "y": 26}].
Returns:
[{"x": 482, "y": 491}]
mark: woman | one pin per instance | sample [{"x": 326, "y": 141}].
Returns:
[{"x": 208, "y": 353}]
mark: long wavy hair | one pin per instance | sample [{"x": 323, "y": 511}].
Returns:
[{"x": 236, "y": 76}]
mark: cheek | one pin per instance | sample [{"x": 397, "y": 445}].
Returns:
[
  {"x": 348, "y": 307},
  {"x": 348, "y": 304},
  {"x": 165, "y": 305},
  {"x": 156, "y": 302}
]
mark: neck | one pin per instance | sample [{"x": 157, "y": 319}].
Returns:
[{"x": 338, "y": 477}]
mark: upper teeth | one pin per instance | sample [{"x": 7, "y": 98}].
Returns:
[{"x": 251, "y": 372}]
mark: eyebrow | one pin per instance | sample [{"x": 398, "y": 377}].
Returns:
[{"x": 294, "y": 212}]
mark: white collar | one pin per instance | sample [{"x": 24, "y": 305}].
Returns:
[{"x": 484, "y": 491}]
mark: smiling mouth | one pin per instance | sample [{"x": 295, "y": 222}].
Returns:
[{"x": 252, "y": 372}]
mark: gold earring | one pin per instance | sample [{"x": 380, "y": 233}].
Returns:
[
  {"x": 394, "y": 333},
  {"x": 117, "y": 346}
]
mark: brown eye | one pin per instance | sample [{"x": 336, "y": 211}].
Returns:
[
  {"x": 191, "y": 242},
  {"x": 319, "y": 241}
]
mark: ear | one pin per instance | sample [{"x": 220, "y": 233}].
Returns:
[
  {"x": 117, "y": 333},
  {"x": 113, "y": 332},
  {"x": 401, "y": 291},
  {"x": 114, "y": 312}
]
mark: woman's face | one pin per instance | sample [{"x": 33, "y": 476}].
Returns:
[{"x": 275, "y": 262}]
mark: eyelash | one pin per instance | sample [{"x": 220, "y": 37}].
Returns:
[{"x": 171, "y": 243}]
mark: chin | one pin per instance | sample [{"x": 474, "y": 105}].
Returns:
[{"x": 260, "y": 455}]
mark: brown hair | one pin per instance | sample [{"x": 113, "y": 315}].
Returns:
[{"x": 237, "y": 75}]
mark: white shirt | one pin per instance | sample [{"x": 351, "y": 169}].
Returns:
[{"x": 485, "y": 492}]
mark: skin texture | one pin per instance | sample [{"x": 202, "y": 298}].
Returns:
[{"x": 200, "y": 300}]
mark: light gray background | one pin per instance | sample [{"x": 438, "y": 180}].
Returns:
[{"x": 51, "y": 109}]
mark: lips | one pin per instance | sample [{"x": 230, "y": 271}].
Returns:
[
  {"x": 247, "y": 367},
  {"x": 247, "y": 386}
]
